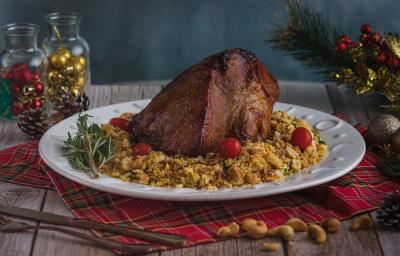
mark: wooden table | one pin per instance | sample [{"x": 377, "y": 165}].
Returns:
[{"x": 328, "y": 98}]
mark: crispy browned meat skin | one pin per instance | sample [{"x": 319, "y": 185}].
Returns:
[{"x": 229, "y": 94}]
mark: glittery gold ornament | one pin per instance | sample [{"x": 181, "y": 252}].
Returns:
[
  {"x": 393, "y": 42},
  {"x": 82, "y": 61},
  {"x": 60, "y": 57},
  {"x": 55, "y": 77},
  {"x": 66, "y": 74}
]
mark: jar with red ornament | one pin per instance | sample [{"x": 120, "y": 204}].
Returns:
[{"x": 22, "y": 65}]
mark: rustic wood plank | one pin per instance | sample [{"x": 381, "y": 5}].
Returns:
[
  {"x": 56, "y": 243},
  {"x": 389, "y": 240},
  {"x": 19, "y": 244},
  {"x": 250, "y": 247}
]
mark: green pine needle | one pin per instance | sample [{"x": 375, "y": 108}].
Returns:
[
  {"x": 390, "y": 166},
  {"x": 310, "y": 38},
  {"x": 101, "y": 148}
]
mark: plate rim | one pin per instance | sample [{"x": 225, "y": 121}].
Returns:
[{"x": 147, "y": 193}]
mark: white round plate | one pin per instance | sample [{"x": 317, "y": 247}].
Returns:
[{"x": 346, "y": 149}]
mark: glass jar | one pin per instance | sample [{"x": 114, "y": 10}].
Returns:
[
  {"x": 68, "y": 71},
  {"x": 22, "y": 65}
]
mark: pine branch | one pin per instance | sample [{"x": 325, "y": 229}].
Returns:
[{"x": 310, "y": 38}]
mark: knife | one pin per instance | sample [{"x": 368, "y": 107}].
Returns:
[{"x": 56, "y": 219}]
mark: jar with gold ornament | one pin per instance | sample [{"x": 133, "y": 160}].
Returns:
[
  {"x": 22, "y": 68},
  {"x": 67, "y": 52}
]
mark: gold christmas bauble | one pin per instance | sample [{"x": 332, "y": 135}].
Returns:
[
  {"x": 60, "y": 57},
  {"x": 82, "y": 60},
  {"x": 77, "y": 65}
]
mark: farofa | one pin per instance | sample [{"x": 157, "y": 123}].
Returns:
[{"x": 259, "y": 162}]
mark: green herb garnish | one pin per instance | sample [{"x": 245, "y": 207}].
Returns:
[
  {"x": 286, "y": 171},
  {"x": 89, "y": 149},
  {"x": 317, "y": 136}
]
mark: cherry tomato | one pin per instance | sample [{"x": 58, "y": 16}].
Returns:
[
  {"x": 121, "y": 123},
  {"x": 230, "y": 148},
  {"x": 141, "y": 149},
  {"x": 301, "y": 137}
]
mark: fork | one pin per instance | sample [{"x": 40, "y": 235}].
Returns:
[{"x": 7, "y": 225}]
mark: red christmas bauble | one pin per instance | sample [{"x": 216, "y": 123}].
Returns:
[
  {"x": 376, "y": 38},
  {"x": 38, "y": 103},
  {"x": 345, "y": 39},
  {"x": 23, "y": 76},
  {"x": 16, "y": 88},
  {"x": 393, "y": 63},
  {"x": 17, "y": 108},
  {"x": 366, "y": 28},
  {"x": 18, "y": 66},
  {"x": 364, "y": 38},
  {"x": 39, "y": 87},
  {"x": 381, "y": 57},
  {"x": 341, "y": 47}
]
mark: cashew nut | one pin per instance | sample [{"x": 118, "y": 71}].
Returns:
[
  {"x": 362, "y": 222},
  {"x": 284, "y": 231},
  {"x": 224, "y": 232},
  {"x": 331, "y": 225},
  {"x": 257, "y": 231},
  {"x": 247, "y": 223},
  {"x": 297, "y": 224},
  {"x": 234, "y": 227},
  {"x": 316, "y": 233},
  {"x": 271, "y": 247}
]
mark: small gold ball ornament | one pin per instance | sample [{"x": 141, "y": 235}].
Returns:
[
  {"x": 60, "y": 57},
  {"x": 382, "y": 128}
]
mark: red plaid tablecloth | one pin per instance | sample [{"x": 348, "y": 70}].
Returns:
[{"x": 360, "y": 190}]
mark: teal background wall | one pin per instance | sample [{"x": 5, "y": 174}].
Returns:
[{"x": 134, "y": 40}]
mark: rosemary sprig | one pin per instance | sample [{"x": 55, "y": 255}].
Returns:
[{"x": 89, "y": 149}]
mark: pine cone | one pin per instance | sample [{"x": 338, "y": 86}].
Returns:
[
  {"x": 388, "y": 214},
  {"x": 32, "y": 122},
  {"x": 69, "y": 104}
]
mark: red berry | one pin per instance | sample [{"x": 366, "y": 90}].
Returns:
[
  {"x": 366, "y": 28},
  {"x": 141, "y": 149},
  {"x": 341, "y": 47},
  {"x": 301, "y": 137},
  {"x": 121, "y": 123},
  {"x": 18, "y": 66},
  {"x": 345, "y": 39},
  {"x": 37, "y": 103},
  {"x": 393, "y": 63},
  {"x": 364, "y": 38},
  {"x": 381, "y": 57},
  {"x": 230, "y": 148},
  {"x": 23, "y": 76},
  {"x": 39, "y": 87},
  {"x": 35, "y": 76},
  {"x": 376, "y": 38}
]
